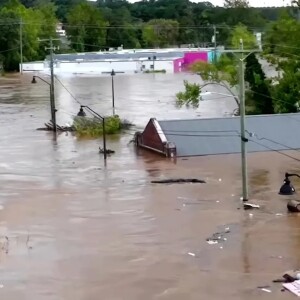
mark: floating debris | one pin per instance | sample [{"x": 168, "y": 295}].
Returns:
[
  {"x": 192, "y": 254},
  {"x": 250, "y": 206},
  {"x": 218, "y": 237},
  {"x": 180, "y": 180}
]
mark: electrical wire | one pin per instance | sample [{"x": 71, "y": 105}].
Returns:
[
  {"x": 68, "y": 91},
  {"x": 272, "y": 149}
]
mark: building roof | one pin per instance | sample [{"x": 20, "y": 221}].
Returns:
[
  {"x": 128, "y": 54},
  {"x": 196, "y": 137},
  {"x": 117, "y": 56}
]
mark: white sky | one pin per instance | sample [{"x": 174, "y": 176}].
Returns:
[{"x": 257, "y": 3}]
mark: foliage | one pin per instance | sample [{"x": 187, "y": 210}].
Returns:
[
  {"x": 283, "y": 37},
  {"x": 241, "y": 32},
  {"x": 236, "y": 3},
  {"x": 286, "y": 91},
  {"x": 122, "y": 30},
  {"x": 259, "y": 95},
  {"x": 13, "y": 12},
  {"x": 225, "y": 70},
  {"x": 161, "y": 32},
  {"x": 190, "y": 96},
  {"x": 86, "y": 28},
  {"x": 92, "y": 127}
]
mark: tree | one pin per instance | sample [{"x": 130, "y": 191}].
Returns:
[
  {"x": 286, "y": 90},
  {"x": 191, "y": 95},
  {"x": 283, "y": 37},
  {"x": 48, "y": 22},
  {"x": 86, "y": 28},
  {"x": 236, "y": 3},
  {"x": 12, "y": 13},
  {"x": 259, "y": 95},
  {"x": 121, "y": 30},
  {"x": 241, "y": 32},
  {"x": 160, "y": 33}
]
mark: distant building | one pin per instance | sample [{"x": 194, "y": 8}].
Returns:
[
  {"x": 171, "y": 60},
  {"x": 196, "y": 137},
  {"x": 60, "y": 31}
]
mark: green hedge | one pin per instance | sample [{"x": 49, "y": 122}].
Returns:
[{"x": 92, "y": 127}]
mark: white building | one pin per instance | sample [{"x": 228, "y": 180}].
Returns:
[{"x": 123, "y": 61}]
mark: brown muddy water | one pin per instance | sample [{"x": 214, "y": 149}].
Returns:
[{"x": 72, "y": 228}]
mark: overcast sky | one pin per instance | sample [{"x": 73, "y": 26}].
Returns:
[{"x": 257, "y": 3}]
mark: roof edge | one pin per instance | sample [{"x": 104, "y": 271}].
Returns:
[{"x": 159, "y": 131}]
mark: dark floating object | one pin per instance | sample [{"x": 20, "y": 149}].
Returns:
[
  {"x": 108, "y": 151},
  {"x": 293, "y": 206},
  {"x": 180, "y": 180},
  {"x": 287, "y": 188}
]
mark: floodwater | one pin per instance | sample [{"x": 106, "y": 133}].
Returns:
[{"x": 73, "y": 227}]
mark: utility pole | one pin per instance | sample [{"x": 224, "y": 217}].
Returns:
[
  {"x": 215, "y": 44},
  {"x": 244, "y": 140},
  {"x": 21, "y": 45},
  {"x": 52, "y": 92}
]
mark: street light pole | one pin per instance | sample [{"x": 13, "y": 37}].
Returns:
[
  {"x": 113, "y": 89},
  {"x": 53, "y": 116},
  {"x": 103, "y": 126},
  {"x": 53, "y": 110},
  {"x": 21, "y": 45},
  {"x": 244, "y": 140},
  {"x": 104, "y": 138}
]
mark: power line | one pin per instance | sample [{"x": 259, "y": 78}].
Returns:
[{"x": 278, "y": 151}]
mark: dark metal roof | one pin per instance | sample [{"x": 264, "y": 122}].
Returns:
[
  {"x": 221, "y": 135},
  {"x": 119, "y": 56}
]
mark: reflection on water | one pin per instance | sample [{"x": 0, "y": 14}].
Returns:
[{"x": 79, "y": 229}]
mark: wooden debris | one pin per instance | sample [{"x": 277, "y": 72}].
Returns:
[
  {"x": 49, "y": 127},
  {"x": 180, "y": 180},
  {"x": 108, "y": 151}
]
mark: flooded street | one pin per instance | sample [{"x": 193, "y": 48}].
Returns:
[{"x": 73, "y": 228}]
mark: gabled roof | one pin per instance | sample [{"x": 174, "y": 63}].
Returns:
[{"x": 196, "y": 137}]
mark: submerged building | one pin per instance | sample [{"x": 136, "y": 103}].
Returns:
[
  {"x": 170, "y": 60},
  {"x": 197, "y": 137}
]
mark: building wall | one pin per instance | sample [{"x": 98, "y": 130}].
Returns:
[
  {"x": 98, "y": 67},
  {"x": 211, "y": 54},
  {"x": 192, "y": 57},
  {"x": 32, "y": 67},
  {"x": 178, "y": 65},
  {"x": 150, "y": 138}
]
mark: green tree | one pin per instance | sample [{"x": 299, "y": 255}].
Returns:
[
  {"x": 190, "y": 96},
  {"x": 286, "y": 90},
  {"x": 86, "y": 28},
  {"x": 160, "y": 33},
  {"x": 282, "y": 37},
  {"x": 12, "y": 13},
  {"x": 121, "y": 30},
  {"x": 241, "y": 32},
  {"x": 259, "y": 96}
]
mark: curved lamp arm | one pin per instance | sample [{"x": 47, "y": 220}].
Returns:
[{"x": 224, "y": 86}]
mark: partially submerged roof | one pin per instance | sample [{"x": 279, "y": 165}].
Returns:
[{"x": 196, "y": 137}]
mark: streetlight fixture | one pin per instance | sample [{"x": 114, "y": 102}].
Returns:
[
  {"x": 112, "y": 74},
  {"x": 52, "y": 100},
  {"x": 287, "y": 188},
  {"x": 103, "y": 125},
  {"x": 235, "y": 112}
]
